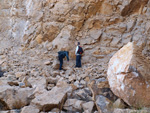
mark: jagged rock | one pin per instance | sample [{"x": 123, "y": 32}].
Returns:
[
  {"x": 82, "y": 82},
  {"x": 56, "y": 96},
  {"x": 22, "y": 85},
  {"x": 39, "y": 90},
  {"x": 77, "y": 84},
  {"x": 72, "y": 78},
  {"x": 73, "y": 105},
  {"x": 26, "y": 82},
  {"x": 65, "y": 37},
  {"x": 119, "y": 104},
  {"x": 29, "y": 109},
  {"x": 50, "y": 86},
  {"x": 47, "y": 62},
  {"x": 37, "y": 81},
  {"x": 51, "y": 80},
  {"x": 3, "y": 81},
  {"x": 103, "y": 104},
  {"x": 15, "y": 98},
  {"x": 88, "y": 107},
  {"x": 11, "y": 77},
  {"x": 56, "y": 64},
  {"x": 101, "y": 87},
  {"x": 69, "y": 72},
  {"x": 39, "y": 38},
  {"x": 83, "y": 76},
  {"x": 129, "y": 75},
  {"x": 82, "y": 94},
  {"x": 20, "y": 74},
  {"x": 131, "y": 7}
]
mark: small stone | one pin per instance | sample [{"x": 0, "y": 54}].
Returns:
[
  {"x": 22, "y": 85},
  {"x": 29, "y": 109},
  {"x": 88, "y": 106},
  {"x": 47, "y": 62},
  {"x": 82, "y": 82},
  {"x": 103, "y": 104},
  {"x": 20, "y": 74},
  {"x": 119, "y": 104}
]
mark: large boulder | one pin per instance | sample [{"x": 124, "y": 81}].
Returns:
[
  {"x": 54, "y": 98},
  {"x": 15, "y": 97},
  {"x": 129, "y": 75}
]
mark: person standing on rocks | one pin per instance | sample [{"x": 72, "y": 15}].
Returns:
[
  {"x": 78, "y": 53},
  {"x": 61, "y": 55}
]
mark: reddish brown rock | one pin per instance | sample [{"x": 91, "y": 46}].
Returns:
[{"x": 129, "y": 75}]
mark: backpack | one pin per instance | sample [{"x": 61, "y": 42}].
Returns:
[{"x": 80, "y": 50}]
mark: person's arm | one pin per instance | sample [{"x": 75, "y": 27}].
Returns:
[{"x": 76, "y": 50}]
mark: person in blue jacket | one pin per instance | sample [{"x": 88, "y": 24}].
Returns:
[{"x": 61, "y": 55}]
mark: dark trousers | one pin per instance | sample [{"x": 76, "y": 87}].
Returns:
[
  {"x": 78, "y": 61},
  {"x": 61, "y": 62}
]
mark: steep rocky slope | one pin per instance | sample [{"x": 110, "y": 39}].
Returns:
[{"x": 33, "y": 31}]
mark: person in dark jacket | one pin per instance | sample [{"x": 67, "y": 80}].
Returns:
[{"x": 61, "y": 55}]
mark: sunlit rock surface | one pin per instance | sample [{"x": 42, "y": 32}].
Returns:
[{"x": 129, "y": 76}]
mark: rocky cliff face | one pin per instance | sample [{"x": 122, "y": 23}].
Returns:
[
  {"x": 33, "y": 31},
  {"x": 108, "y": 23}
]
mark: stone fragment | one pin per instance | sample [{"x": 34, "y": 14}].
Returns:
[
  {"x": 56, "y": 64},
  {"x": 47, "y": 62},
  {"x": 54, "y": 98},
  {"x": 73, "y": 105},
  {"x": 29, "y": 109},
  {"x": 39, "y": 38},
  {"x": 37, "y": 81},
  {"x": 51, "y": 80},
  {"x": 82, "y": 94},
  {"x": 26, "y": 82},
  {"x": 119, "y": 104},
  {"x": 15, "y": 98},
  {"x": 20, "y": 74},
  {"x": 88, "y": 106},
  {"x": 103, "y": 104}
]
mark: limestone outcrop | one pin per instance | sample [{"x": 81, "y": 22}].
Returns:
[{"x": 129, "y": 76}]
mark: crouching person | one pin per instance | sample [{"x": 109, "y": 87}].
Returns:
[{"x": 61, "y": 55}]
